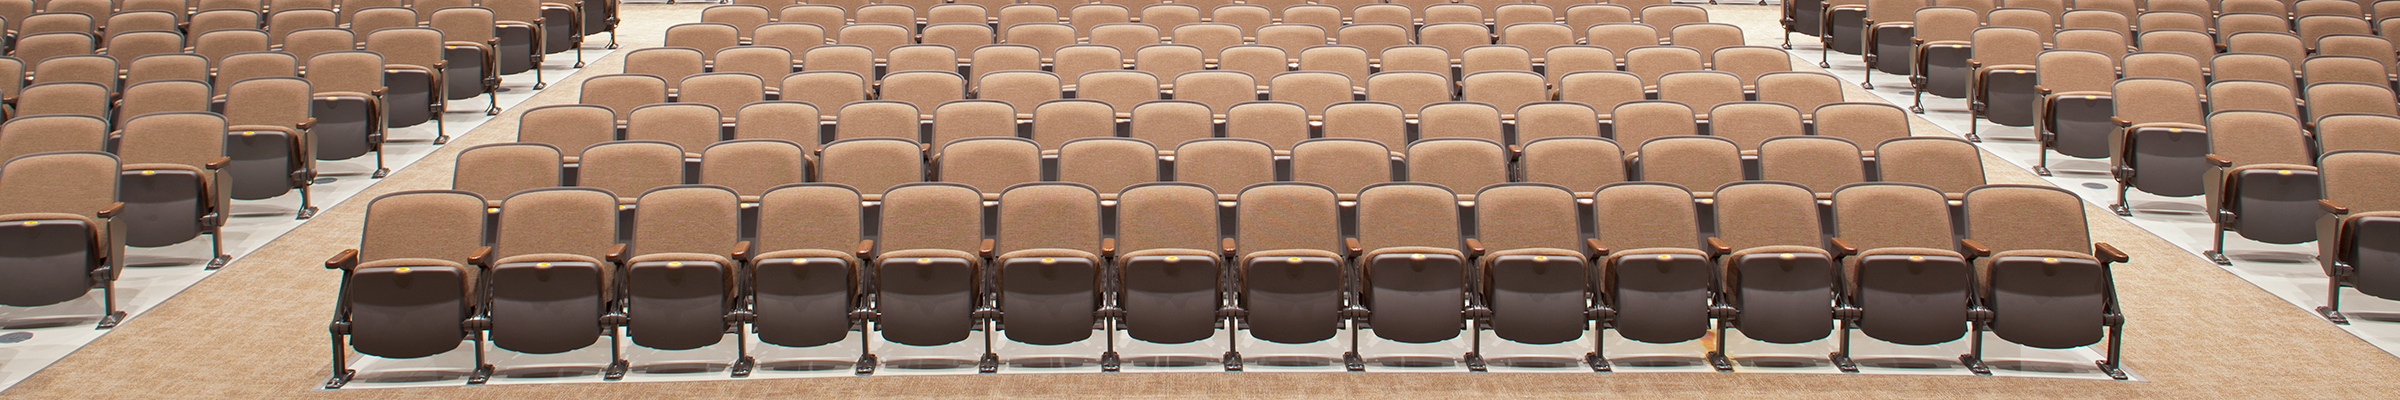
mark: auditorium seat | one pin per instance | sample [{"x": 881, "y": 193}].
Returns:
[
  {"x": 682, "y": 279},
  {"x": 2072, "y": 116},
  {"x": 1820, "y": 163},
  {"x": 552, "y": 252},
  {"x": 1569, "y": 161},
  {"x": 1535, "y": 278},
  {"x": 929, "y": 280},
  {"x": 2261, "y": 179},
  {"x": 348, "y": 105},
  {"x": 871, "y": 164},
  {"x": 1947, "y": 164},
  {"x": 1108, "y": 165},
  {"x": 1048, "y": 283},
  {"x": 1775, "y": 271},
  {"x": 568, "y": 127},
  {"x": 1905, "y": 279},
  {"x": 2158, "y": 142},
  {"x": 621, "y": 93},
  {"x": 1461, "y": 119},
  {"x": 1292, "y": 284},
  {"x": 1458, "y": 162},
  {"x": 176, "y": 185},
  {"x": 1172, "y": 288},
  {"x": 1167, "y": 121},
  {"x": 1689, "y": 161},
  {"x": 923, "y": 90},
  {"x": 494, "y": 171},
  {"x": 689, "y": 127},
  {"x": 629, "y": 168},
  {"x": 877, "y": 119},
  {"x": 1224, "y": 164},
  {"x": 806, "y": 279},
  {"x": 411, "y": 287},
  {"x": 1279, "y": 124},
  {"x": 988, "y": 164},
  {"x": 2042, "y": 287},
  {"x": 1414, "y": 268},
  {"x": 1376, "y": 121},
  {"x": 1344, "y": 165},
  {"x": 1749, "y": 123},
  {"x": 273, "y": 146}
]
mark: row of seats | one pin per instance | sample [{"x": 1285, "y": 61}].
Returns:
[
  {"x": 1166, "y": 16},
  {"x": 872, "y": 165},
  {"x": 928, "y": 271},
  {"x": 1393, "y": 121}
]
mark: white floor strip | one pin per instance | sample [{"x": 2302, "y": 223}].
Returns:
[
  {"x": 2288, "y": 271},
  {"x": 34, "y": 337}
]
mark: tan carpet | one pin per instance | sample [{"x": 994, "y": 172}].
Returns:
[{"x": 257, "y": 329}]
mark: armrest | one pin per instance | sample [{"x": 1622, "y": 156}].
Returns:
[
  {"x": 306, "y": 123},
  {"x": 2043, "y": 90},
  {"x": 2121, "y": 122},
  {"x": 482, "y": 257},
  {"x": 1717, "y": 247},
  {"x": 616, "y": 253},
  {"x": 984, "y": 249},
  {"x": 1974, "y": 248},
  {"x": 218, "y": 163},
  {"x": 378, "y": 92},
  {"x": 1971, "y": 63},
  {"x": 1474, "y": 247},
  {"x": 344, "y": 260},
  {"x": 1108, "y": 247},
  {"x": 1351, "y": 244},
  {"x": 110, "y": 210},
  {"x": 1598, "y": 250},
  {"x": 1228, "y": 246},
  {"x": 866, "y": 247},
  {"x": 741, "y": 251},
  {"x": 2109, "y": 254},
  {"x": 2331, "y": 207},
  {"x": 2218, "y": 161},
  {"x": 1843, "y": 248},
  {"x": 439, "y": 64}
]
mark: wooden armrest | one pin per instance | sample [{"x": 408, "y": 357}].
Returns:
[
  {"x": 482, "y": 257},
  {"x": 2044, "y": 90},
  {"x": 1595, "y": 246},
  {"x": 866, "y": 247},
  {"x": 1228, "y": 246},
  {"x": 1718, "y": 246},
  {"x": 2218, "y": 161},
  {"x": 306, "y": 123},
  {"x": 741, "y": 251},
  {"x": 344, "y": 260},
  {"x": 2121, "y": 122},
  {"x": 1351, "y": 244},
  {"x": 218, "y": 163},
  {"x": 1975, "y": 248},
  {"x": 110, "y": 210},
  {"x": 616, "y": 253},
  {"x": 1474, "y": 247},
  {"x": 2109, "y": 254},
  {"x": 984, "y": 249},
  {"x": 1843, "y": 248},
  {"x": 1108, "y": 247},
  {"x": 2331, "y": 207}
]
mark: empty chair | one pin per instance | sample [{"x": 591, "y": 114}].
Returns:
[
  {"x": 554, "y": 250},
  {"x": 1506, "y": 90},
  {"x": 630, "y": 167},
  {"x": 272, "y": 145},
  {"x": 1653, "y": 62},
  {"x": 348, "y": 106},
  {"x": 500, "y": 169},
  {"x": 1047, "y": 37},
  {"x": 791, "y": 121},
  {"x": 1535, "y": 278},
  {"x": 1455, "y": 37},
  {"x": 1022, "y": 90},
  {"x": 1313, "y": 90},
  {"x": 872, "y": 165},
  {"x": 795, "y": 37},
  {"x": 2004, "y": 63},
  {"x": 1655, "y": 281},
  {"x": 1121, "y": 90},
  {"x": 1001, "y": 57},
  {"x": 1817, "y": 162},
  {"x": 1751, "y": 123},
  {"x": 767, "y": 63},
  {"x": 2158, "y": 143},
  {"x": 411, "y": 284},
  {"x": 1688, "y": 161},
  {"x": 1263, "y": 62},
  {"x": 1950, "y": 165},
  {"x": 25, "y": 136},
  {"x": 2353, "y": 207},
  {"x": 2042, "y": 278},
  {"x": 1888, "y": 28},
  {"x": 67, "y": 98},
  {"x": 2243, "y": 94},
  {"x": 1413, "y": 272},
  {"x": 1374, "y": 38},
  {"x": 1377, "y": 121},
  {"x": 2195, "y": 44},
  {"x": 176, "y": 184},
  {"x": 877, "y": 119},
  {"x": 621, "y": 93},
  {"x": 100, "y": 70},
  {"x": 1167, "y": 17},
  {"x": 1420, "y": 58},
  {"x": 1347, "y": 60},
  {"x": 1562, "y": 60},
  {"x": 988, "y": 162},
  {"x": 569, "y": 128},
  {"x": 1071, "y": 62},
  {"x": 2253, "y": 66},
  {"x": 2074, "y": 111},
  {"x": 1775, "y": 269},
  {"x": 2152, "y": 64},
  {"x": 468, "y": 36},
  {"x": 964, "y": 38},
  {"x": 682, "y": 273},
  {"x": 1222, "y": 163},
  {"x": 962, "y": 119},
  {"x": 1343, "y": 164},
  {"x": 164, "y": 67},
  {"x": 1109, "y": 165},
  {"x": 2346, "y": 97},
  {"x": 1547, "y": 119},
  {"x": 411, "y": 57},
  {"x": 1751, "y": 62},
  {"x": 1891, "y": 236},
  {"x": 806, "y": 278},
  {"x": 2355, "y": 132},
  {"x": 1124, "y": 36},
  {"x": 2276, "y": 43},
  {"x": 1057, "y": 121},
  {"x": 1279, "y": 124},
  {"x": 1171, "y": 286},
  {"x": 34, "y": 48},
  {"x": 1458, "y": 162},
  {"x": 1290, "y": 37},
  {"x": 1944, "y": 41},
  {"x": 1640, "y": 121},
  {"x": 1291, "y": 280},
  {"x": 1803, "y": 90},
  {"x": 2324, "y": 69},
  {"x": 923, "y": 89},
  {"x": 1702, "y": 90},
  {"x": 2262, "y": 179},
  {"x": 1603, "y": 90},
  {"x": 690, "y": 127},
  {"x": 130, "y": 45},
  {"x": 1168, "y": 60},
  {"x": 1211, "y": 38},
  {"x": 162, "y": 96},
  {"x": 1539, "y": 38},
  {"x": 1461, "y": 119},
  {"x": 928, "y": 277}
]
